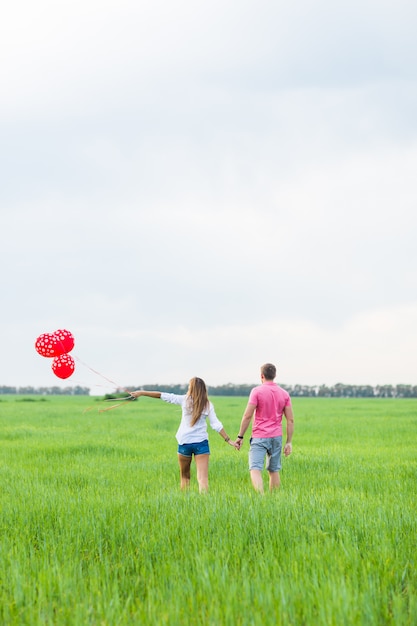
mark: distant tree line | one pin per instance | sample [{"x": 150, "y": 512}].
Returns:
[
  {"x": 296, "y": 391},
  {"x": 45, "y": 391},
  {"x": 353, "y": 391}
]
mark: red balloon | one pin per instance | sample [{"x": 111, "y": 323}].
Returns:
[
  {"x": 63, "y": 366},
  {"x": 46, "y": 345},
  {"x": 65, "y": 342}
]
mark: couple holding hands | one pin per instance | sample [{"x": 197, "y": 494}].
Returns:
[{"x": 267, "y": 404}]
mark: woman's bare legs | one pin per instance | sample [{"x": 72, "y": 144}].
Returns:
[
  {"x": 185, "y": 470},
  {"x": 202, "y": 463}
]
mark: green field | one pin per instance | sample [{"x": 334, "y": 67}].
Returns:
[{"x": 94, "y": 528}]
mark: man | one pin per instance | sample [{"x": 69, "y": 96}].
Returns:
[{"x": 268, "y": 403}]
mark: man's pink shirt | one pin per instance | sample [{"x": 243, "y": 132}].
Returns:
[{"x": 270, "y": 401}]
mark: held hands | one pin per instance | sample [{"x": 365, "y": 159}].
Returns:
[
  {"x": 231, "y": 443},
  {"x": 238, "y": 443}
]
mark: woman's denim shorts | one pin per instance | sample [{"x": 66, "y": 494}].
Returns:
[{"x": 188, "y": 449}]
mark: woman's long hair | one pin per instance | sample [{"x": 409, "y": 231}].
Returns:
[{"x": 197, "y": 399}]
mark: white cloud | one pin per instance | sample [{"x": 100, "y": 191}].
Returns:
[
  {"x": 371, "y": 348},
  {"x": 184, "y": 181},
  {"x": 375, "y": 347},
  {"x": 63, "y": 56}
]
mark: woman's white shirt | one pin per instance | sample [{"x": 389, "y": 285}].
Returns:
[{"x": 192, "y": 434}]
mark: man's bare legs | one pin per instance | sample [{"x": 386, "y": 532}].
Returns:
[
  {"x": 257, "y": 482},
  {"x": 274, "y": 481}
]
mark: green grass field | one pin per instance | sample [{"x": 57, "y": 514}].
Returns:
[{"x": 94, "y": 528}]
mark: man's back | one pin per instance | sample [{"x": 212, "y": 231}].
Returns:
[{"x": 270, "y": 401}]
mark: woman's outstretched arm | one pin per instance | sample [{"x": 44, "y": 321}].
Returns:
[{"x": 149, "y": 394}]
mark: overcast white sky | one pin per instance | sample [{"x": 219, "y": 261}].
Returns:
[{"x": 196, "y": 188}]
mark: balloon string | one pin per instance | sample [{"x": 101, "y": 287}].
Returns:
[
  {"x": 101, "y": 375},
  {"x": 114, "y": 406}
]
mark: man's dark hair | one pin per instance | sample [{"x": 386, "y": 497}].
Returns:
[{"x": 269, "y": 371}]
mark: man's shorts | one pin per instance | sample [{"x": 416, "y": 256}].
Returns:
[
  {"x": 188, "y": 449},
  {"x": 269, "y": 447}
]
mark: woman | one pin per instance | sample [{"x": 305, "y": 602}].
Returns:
[{"x": 192, "y": 433}]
